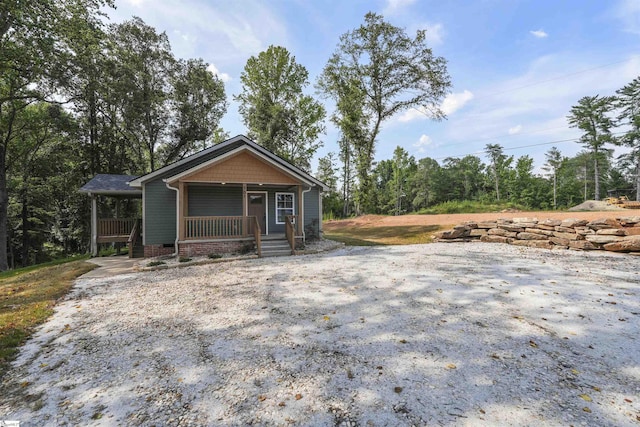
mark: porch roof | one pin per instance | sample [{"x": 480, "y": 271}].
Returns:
[{"x": 111, "y": 185}]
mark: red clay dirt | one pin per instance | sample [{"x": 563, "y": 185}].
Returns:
[{"x": 453, "y": 219}]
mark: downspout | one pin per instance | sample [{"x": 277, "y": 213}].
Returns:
[
  {"x": 177, "y": 190},
  {"x": 304, "y": 237}
]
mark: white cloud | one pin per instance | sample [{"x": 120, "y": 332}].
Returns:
[
  {"x": 222, "y": 76},
  {"x": 628, "y": 11},
  {"x": 395, "y": 5},
  {"x": 514, "y": 130},
  {"x": 451, "y": 103},
  {"x": 423, "y": 142},
  {"x": 455, "y": 101},
  {"x": 539, "y": 34},
  {"x": 135, "y": 3},
  {"x": 434, "y": 34}
]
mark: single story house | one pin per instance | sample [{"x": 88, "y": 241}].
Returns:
[{"x": 234, "y": 196}]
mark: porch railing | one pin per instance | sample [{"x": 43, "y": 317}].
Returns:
[
  {"x": 290, "y": 230},
  {"x": 211, "y": 227},
  {"x": 257, "y": 234},
  {"x": 115, "y": 229},
  {"x": 134, "y": 237}
]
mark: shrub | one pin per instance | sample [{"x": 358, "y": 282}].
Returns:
[
  {"x": 214, "y": 256},
  {"x": 155, "y": 263},
  {"x": 184, "y": 259}
]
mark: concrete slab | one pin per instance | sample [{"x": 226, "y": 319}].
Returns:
[{"x": 112, "y": 266}]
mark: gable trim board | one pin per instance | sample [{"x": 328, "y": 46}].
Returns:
[
  {"x": 260, "y": 151},
  {"x": 227, "y": 157}
]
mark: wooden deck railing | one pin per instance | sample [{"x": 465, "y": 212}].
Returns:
[
  {"x": 290, "y": 230},
  {"x": 257, "y": 234},
  {"x": 211, "y": 227},
  {"x": 115, "y": 229},
  {"x": 134, "y": 237}
]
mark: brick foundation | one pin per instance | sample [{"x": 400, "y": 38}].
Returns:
[
  {"x": 151, "y": 251},
  {"x": 206, "y": 248}
]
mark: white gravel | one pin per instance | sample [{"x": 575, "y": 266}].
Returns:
[{"x": 439, "y": 334}]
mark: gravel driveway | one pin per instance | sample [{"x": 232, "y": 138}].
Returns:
[{"x": 439, "y": 334}]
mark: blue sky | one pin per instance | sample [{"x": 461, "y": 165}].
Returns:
[{"x": 517, "y": 67}]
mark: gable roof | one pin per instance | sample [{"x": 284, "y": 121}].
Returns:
[
  {"x": 205, "y": 156},
  {"x": 114, "y": 185}
]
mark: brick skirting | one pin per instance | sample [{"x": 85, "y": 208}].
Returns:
[
  {"x": 206, "y": 248},
  {"x": 151, "y": 251}
]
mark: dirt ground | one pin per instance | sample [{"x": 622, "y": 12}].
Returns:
[
  {"x": 453, "y": 219},
  {"x": 441, "y": 334}
]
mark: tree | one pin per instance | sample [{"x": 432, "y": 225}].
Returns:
[
  {"x": 327, "y": 173},
  {"x": 628, "y": 101},
  {"x": 591, "y": 115},
  {"x": 424, "y": 181},
  {"x": 34, "y": 60},
  {"x": 276, "y": 112},
  {"x": 145, "y": 64},
  {"x": 391, "y": 72},
  {"x": 553, "y": 163},
  {"x": 403, "y": 167},
  {"x": 198, "y": 102},
  {"x": 498, "y": 159}
]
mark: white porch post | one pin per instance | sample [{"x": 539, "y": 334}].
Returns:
[{"x": 94, "y": 225}]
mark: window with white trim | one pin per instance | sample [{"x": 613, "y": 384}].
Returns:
[{"x": 284, "y": 206}]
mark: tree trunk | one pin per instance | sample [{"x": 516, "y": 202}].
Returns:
[
  {"x": 638, "y": 179},
  {"x": 596, "y": 177},
  {"x": 25, "y": 223},
  {"x": 4, "y": 203}
]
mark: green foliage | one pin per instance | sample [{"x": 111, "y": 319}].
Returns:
[
  {"x": 592, "y": 116},
  {"x": 214, "y": 256},
  {"x": 273, "y": 107},
  {"x": 469, "y": 206},
  {"x": 184, "y": 259},
  {"x": 376, "y": 72}
]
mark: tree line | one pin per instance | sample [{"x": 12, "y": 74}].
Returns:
[{"x": 79, "y": 96}]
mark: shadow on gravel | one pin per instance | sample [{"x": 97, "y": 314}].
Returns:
[{"x": 410, "y": 335}]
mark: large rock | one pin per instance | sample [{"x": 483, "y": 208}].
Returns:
[
  {"x": 502, "y": 232},
  {"x": 487, "y": 224},
  {"x": 583, "y": 245},
  {"x": 627, "y": 244},
  {"x": 559, "y": 241},
  {"x": 539, "y": 231},
  {"x": 573, "y": 222},
  {"x": 488, "y": 238},
  {"x": 583, "y": 231},
  {"x": 601, "y": 223},
  {"x": 629, "y": 220},
  {"x": 633, "y": 231},
  {"x": 531, "y": 236},
  {"x": 550, "y": 222},
  {"x": 612, "y": 232},
  {"x": 568, "y": 236},
  {"x": 477, "y": 232},
  {"x": 511, "y": 227},
  {"x": 602, "y": 239},
  {"x": 542, "y": 244},
  {"x": 546, "y": 227},
  {"x": 450, "y": 234},
  {"x": 525, "y": 220}
]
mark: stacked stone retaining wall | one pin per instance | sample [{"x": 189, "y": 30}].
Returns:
[{"x": 611, "y": 234}]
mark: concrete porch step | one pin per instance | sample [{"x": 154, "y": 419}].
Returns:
[{"x": 275, "y": 248}]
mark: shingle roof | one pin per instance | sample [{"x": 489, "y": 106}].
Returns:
[{"x": 107, "y": 184}]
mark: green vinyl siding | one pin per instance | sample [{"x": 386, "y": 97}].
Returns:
[
  {"x": 312, "y": 215},
  {"x": 208, "y": 200},
  {"x": 160, "y": 213}
]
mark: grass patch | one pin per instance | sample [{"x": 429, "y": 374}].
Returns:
[
  {"x": 27, "y": 298},
  {"x": 184, "y": 259},
  {"x": 214, "y": 256},
  {"x": 374, "y": 236},
  {"x": 468, "y": 206}
]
